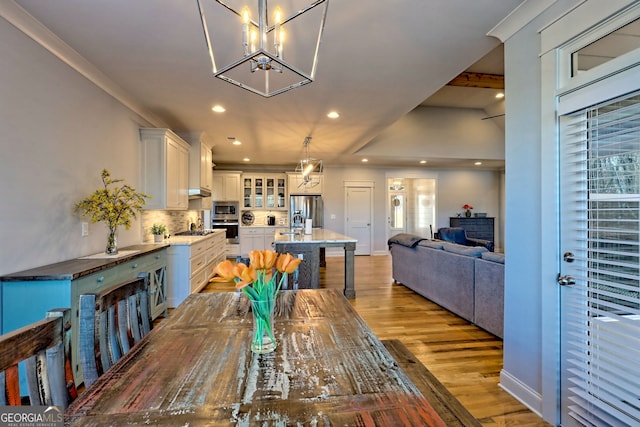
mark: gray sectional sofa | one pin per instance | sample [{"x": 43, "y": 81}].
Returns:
[{"x": 468, "y": 281}]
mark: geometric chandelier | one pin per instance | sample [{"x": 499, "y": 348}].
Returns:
[
  {"x": 253, "y": 41},
  {"x": 309, "y": 170}
]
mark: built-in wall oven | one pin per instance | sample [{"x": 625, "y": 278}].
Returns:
[{"x": 225, "y": 214}]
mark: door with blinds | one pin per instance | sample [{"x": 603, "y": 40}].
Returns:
[{"x": 600, "y": 267}]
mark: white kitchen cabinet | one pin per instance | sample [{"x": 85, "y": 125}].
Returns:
[
  {"x": 165, "y": 169},
  {"x": 294, "y": 179},
  {"x": 200, "y": 170},
  {"x": 257, "y": 238},
  {"x": 190, "y": 264},
  {"x": 264, "y": 191},
  {"x": 251, "y": 238},
  {"x": 269, "y": 236},
  {"x": 226, "y": 186},
  {"x": 232, "y": 250},
  {"x": 200, "y": 162}
]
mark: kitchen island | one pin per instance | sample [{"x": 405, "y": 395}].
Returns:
[{"x": 308, "y": 246}]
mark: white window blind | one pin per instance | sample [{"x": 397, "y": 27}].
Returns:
[{"x": 601, "y": 206}]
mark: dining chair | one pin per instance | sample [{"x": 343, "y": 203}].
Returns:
[
  {"x": 39, "y": 347},
  {"x": 65, "y": 314},
  {"x": 111, "y": 322}
]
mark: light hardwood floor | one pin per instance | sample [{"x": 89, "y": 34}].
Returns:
[{"x": 464, "y": 358}]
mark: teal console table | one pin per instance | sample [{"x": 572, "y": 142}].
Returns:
[{"x": 26, "y": 296}]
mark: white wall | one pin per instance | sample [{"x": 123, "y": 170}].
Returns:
[
  {"x": 481, "y": 189},
  {"x": 58, "y": 132},
  {"x": 436, "y": 132},
  {"x": 334, "y": 200},
  {"x": 522, "y": 301}
]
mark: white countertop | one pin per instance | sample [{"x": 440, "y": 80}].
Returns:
[
  {"x": 319, "y": 235},
  {"x": 264, "y": 226},
  {"x": 190, "y": 240}
]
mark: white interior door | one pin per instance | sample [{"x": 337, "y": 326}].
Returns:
[
  {"x": 358, "y": 218},
  {"x": 600, "y": 240}
]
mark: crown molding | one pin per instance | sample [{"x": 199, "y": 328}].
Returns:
[
  {"x": 526, "y": 12},
  {"x": 34, "y": 29}
]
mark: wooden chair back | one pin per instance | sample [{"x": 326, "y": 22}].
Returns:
[
  {"x": 39, "y": 347},
  {"x": 65, "y": 314},
  {"x": 110, "y": 323}
]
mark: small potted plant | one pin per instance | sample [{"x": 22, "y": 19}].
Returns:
[{"x": 158, "y": 231}]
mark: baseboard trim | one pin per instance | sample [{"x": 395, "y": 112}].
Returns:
[
  {"x": 340, "y": 252},
  {"x": 523, "y": 393}
]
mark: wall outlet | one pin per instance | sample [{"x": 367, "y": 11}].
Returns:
[
  {"x": 85, "y": 229},
  {"x": 333, "y": 216}
]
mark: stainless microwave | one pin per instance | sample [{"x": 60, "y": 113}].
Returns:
[{"x": 225, "y": 210}]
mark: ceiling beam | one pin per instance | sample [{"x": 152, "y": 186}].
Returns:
[{"x": 487, "y": 81}]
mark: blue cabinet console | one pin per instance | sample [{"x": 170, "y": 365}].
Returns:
[{"x": 26, "y": 296}]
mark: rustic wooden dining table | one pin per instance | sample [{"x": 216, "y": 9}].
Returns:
[{"x": 197, "y": 369}]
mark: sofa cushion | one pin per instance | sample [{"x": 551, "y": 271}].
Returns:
[
  {"x": 453, "y": 234},
  {"x": 488, "y": 312},
  {"x": 405, "y": 239},
  {"x": 472, "y": 251},
  {"x": 435, "y": 244},
  {"x": 492, "y": 256}
]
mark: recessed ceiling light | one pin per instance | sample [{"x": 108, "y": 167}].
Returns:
[
  {"x": 422, "y": 162},
  {"x": 218, "y": 109},
  {"x": 233, "y": 140},
  {"x": 477, "y": 163},
  {"x": 246, "y": 159},
  {"x": 499, "y": 95},
  {"x": 333, "y": 114},
  {"x": 365, "y": 160}
]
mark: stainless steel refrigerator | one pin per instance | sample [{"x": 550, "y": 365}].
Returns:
[{"x": 309, "y": 207}]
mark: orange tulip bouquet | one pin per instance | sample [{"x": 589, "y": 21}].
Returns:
[{"x": 260, "y": 282}]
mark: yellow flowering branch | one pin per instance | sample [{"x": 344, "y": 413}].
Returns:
[{"x": 113, "y": 205}]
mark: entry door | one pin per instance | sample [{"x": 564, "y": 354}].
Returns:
[
  {"x": 397, "y": 214},
  {"x": 600, "y": 269},
  {"x": 359, "y": 216}
]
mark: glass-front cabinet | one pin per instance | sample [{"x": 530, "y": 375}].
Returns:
[
  {"x": 281, "y": 192},
  {"x": 258, "y": 193},
  {"x": 264, "y": 191},
  {"x": 247, "y": 192},
  {"x": 271, "y": 192}
]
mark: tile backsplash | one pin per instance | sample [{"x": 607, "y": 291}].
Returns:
[
  {"x": 175, "y": 221},
  {"x": 260, "y": 216}
]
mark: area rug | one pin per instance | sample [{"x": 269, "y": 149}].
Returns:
[{"x": 443, "y": 402}]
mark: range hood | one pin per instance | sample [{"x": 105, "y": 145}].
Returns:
[{"x": 197, "y": 193}]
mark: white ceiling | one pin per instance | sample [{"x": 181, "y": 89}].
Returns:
[{"x": 378, "y": 61}]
